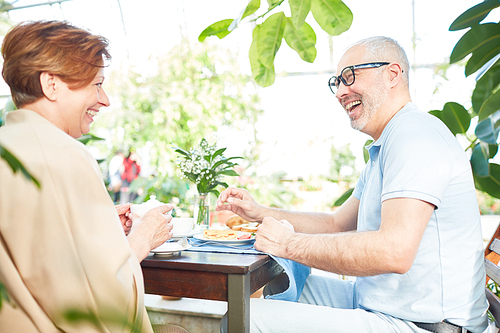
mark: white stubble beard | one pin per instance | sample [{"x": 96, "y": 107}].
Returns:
[{"x": 371, "y": 102}]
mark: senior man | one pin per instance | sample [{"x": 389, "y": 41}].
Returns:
[{"x": 410, "y": 233}]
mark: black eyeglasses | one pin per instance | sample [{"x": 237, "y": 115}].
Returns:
[{"x": 347, "y": 75}]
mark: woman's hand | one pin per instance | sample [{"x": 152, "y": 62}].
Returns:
[
  {"x": 240, "y": 202},
  {"x": 124, "y": 215},
  {"x": 150, "y": 231}
]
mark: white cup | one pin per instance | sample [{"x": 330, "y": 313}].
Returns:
[
  {"x": 182, "y": 225},
  {"x": 142, "y": 209}
]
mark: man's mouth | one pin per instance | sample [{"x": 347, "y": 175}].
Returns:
[
  {"x": 350, "y": 106},
  {"x": 91, "y": 113}
]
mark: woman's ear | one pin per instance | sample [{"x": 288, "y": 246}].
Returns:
[{"x": 49, "y": 85}]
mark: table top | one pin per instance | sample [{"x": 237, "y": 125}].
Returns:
[{"x": 228, "y": 263}]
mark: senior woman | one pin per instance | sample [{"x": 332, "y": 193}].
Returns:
[{"x": 62, "y": 247}]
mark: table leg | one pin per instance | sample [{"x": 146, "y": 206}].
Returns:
[{"x": 238, "y": 303}]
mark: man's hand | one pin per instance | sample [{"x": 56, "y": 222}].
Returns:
[
  {"x": 124, "y": 215},
  {"x": 273, "y": 236},
  {"x": 240, "y": 202}
]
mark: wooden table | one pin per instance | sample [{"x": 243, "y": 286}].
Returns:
[{"x": 215, "y": 276}]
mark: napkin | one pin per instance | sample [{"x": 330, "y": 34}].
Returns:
[
  {"x": 201, "y": 246},
  {"x": 297, "y": 275}
]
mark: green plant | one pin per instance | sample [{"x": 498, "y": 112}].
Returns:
[
  {"x": 482, "y": 42},
  {"x": 205, "y": 165},
  {"x": 333, "y": 16}
]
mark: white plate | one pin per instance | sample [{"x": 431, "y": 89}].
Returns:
[
  {"x": 170, "y": 247},
  {"x": 189, "y": 234},
  {"x": 227, "y": 241}
]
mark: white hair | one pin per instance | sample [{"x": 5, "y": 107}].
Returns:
[{"x": 382, "y": 48}]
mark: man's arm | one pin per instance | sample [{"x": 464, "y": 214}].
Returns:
[
  {"x": 391, "y": 249},
  {"x": 240, "y": 202}
]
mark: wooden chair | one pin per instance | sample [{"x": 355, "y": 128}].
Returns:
[{"x": 491, "y": 260}]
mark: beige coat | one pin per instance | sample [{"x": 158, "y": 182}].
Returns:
[{"x": 62, "y": 247}]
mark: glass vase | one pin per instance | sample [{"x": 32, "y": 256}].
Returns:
[{"x": 202, "y": 210}]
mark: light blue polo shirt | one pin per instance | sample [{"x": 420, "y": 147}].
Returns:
[{"x": 418, "y": 157}]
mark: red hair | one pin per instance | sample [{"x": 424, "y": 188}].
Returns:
[{"x": 55, "y": 47}]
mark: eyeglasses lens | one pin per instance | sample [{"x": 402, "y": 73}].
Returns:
[{"x": 346, "y": 77}]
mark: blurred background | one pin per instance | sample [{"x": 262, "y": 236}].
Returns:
[{"x": 168, "y": 89}]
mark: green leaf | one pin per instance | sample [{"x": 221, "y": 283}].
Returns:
[
  {"x": 485, "y": 35},
  {"x": 490, "y": 184},
  {"x": 274, "y": 3},
  {"x": 270, "y": 37},
  {"x": 485, "y": 86},
  {"x": 182, "y": 152},
  {"x": 482, "y": 55},
  {"x": 479, "y": 160},
  {"x": 333, "y": 16},
  {"x": 251, "y": 8},
  {"x": 302, "y": 40},
  {"x": 490, "y": 106},
  {"x": 366, "y": 154},
  {"x": 455, "y": 117},
  {"x": 231, "y": 173},
  {"x": 473, "y": 15},
  {"x": 219, "y": 29},
  {"x": 262, "y": 75},
  {"x": 88, "y": 137},
  {"x": 486, "y": 130},
  {"x": 218, "y": 152},
  {"x": 343, "y": 197},
  {"x": 299, "y": 10},
  {"x": 16, "y": 165},
  {"x": 493, "y": 149}
]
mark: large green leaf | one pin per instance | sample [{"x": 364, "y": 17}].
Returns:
[
  {"x": 490, "y": 184},
  {"x": 302, "y": 40},
  {"x": 16, "y": 165},
  {"x": 455, "y": 117},
  {"x": 474, "y": 15},
  {"x": 333, "y": 16},
  {"x": 487, "y": 129},
  {"x": 490, "y": 106},
  {"x": 299, "y": 10},
  {"x": 482, "y": 55},
  {"x": 270, "y": 37},
  {"x": 485, "y": 36},
  {"x": 219, "y": 29},
  {"x": 485, "y": 86},
  {"x": 263, "y": 75},
  {"x": 479, "y": 160}
]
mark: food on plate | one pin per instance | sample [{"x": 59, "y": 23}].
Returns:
[
  {"x": 220, "y": 234},
  {"x": 235, "y": 220},
  {"x": 249, "y": 228},
  {"x": 245, "y": 236}
]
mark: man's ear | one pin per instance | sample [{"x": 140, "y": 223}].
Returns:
[
  {"x": 395, "y": 74},
  {"x": 49, "y": 85}
]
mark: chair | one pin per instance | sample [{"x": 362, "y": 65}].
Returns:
[{"x": 491, "y": 260}]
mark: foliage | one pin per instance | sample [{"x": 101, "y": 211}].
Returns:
[
  {"x": 188, "y": 94},
  {"x": 482, "y": 42},
  {"x": 333, "y": 16},
  {"x": 342, "y": 165},
  {"x": 205, "y": 165}
]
